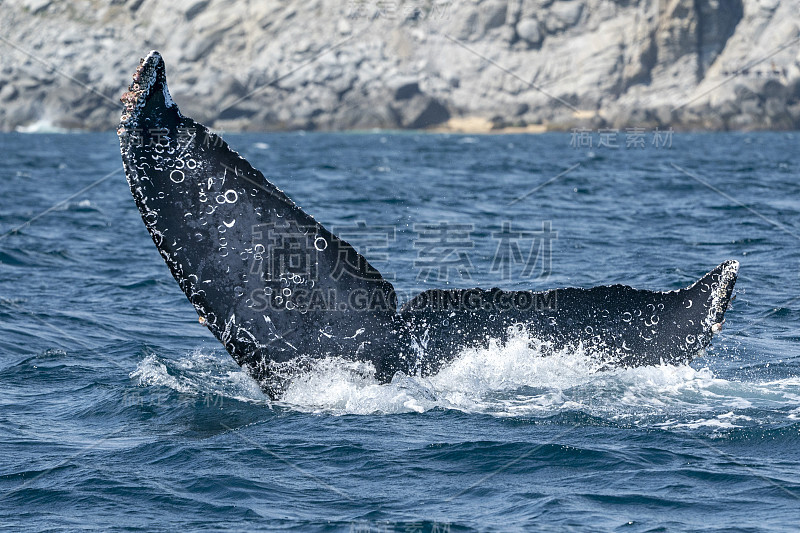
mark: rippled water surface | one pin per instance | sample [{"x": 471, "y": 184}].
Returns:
[{"x": 119, "y": 411}]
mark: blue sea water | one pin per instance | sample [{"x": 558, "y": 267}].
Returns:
[{"x": 118, "y": 411}]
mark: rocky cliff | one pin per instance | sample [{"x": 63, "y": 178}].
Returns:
[{"x": 472, "y": 64}]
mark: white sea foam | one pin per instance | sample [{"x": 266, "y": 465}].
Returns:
[
  {"x": 504, "y": 379},
  {"x": 200, "y": 374}
]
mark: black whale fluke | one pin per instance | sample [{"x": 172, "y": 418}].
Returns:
[{"x": 280, "y": 291}]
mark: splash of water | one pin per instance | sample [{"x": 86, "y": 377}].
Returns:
[
  {"x": 511, "y": 379},
  {"x": 200, "y": 374}
]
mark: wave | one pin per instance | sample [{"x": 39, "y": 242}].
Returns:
[
  {"x": 199, "y": 374},
  {"x": 511, "y": 379}
]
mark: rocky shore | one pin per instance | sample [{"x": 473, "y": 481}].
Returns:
[{"x": 448, "y": 65}]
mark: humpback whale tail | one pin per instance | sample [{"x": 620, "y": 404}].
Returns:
[
  {"x": 717, "y": 288},
  {"x": 279, "y": 290},
  {"x": 623, "y": 325}
]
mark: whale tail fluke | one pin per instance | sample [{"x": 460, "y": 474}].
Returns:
[
  {"x": 271, "y": 283},
  {"x": 714, "y": 292},
  {"x": 620, "y": 325},
  {"x": 279, "y": 290}
]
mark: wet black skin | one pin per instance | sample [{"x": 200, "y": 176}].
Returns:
[{"x": 280, "y": 291}]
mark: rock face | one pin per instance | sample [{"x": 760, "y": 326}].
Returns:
[{"x": 329, "y": 64}]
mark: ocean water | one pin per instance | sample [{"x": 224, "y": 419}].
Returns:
[{"x": 118, "y": 411}]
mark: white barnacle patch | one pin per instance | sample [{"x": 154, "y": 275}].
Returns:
[{"x": 719, "y": 292}]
